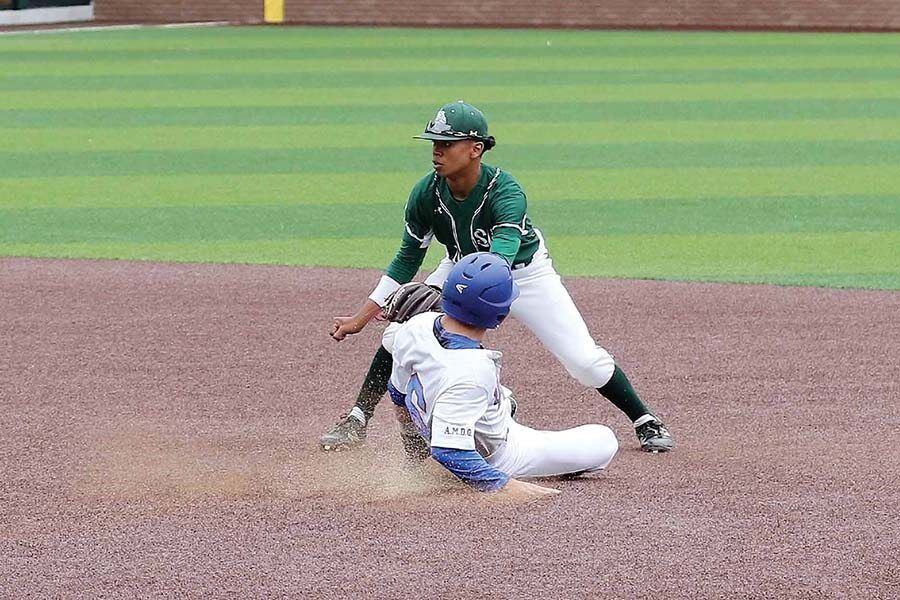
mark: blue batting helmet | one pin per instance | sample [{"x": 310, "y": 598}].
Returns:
[{"x": 479, "y": 290}]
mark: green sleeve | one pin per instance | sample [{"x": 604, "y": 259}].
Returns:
[
  {"x": 506, "y": 243},
  {"x": 417, "y": 235},
  {"x": 508, "y": 207},
  {"x": 407, "y": 261}
]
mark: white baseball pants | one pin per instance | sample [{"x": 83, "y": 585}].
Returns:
[
  {"x": 545, "y": 307},
  {"x": 534, "y": 453}
]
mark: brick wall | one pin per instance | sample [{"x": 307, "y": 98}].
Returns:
[
  {"x": 171, "y": 11},
  {"x": 752, "y": 14},
  {"x": 867, "y": 14}
]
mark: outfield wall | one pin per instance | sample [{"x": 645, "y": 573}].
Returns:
[
  {"x": 605, "y": 13},
  {"x": 695, "y": 14},
  {"x": 47, "y": 15},
  {"x": 178, "y": 11}
]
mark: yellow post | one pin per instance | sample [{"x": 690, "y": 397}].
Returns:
[{"x": 273, "y": 11}]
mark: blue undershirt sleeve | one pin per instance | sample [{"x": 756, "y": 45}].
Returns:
[{"x": 471, "y": 468}]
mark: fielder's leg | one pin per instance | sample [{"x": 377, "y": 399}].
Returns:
[
  {"x": 563, "y": 332},
  {"x": 350, "y": 431},
  {"x": 651, "y": 433}
]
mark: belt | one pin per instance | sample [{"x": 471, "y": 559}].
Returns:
[{"x": 523, "y": 264}]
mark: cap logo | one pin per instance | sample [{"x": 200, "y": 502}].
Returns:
[
  {"x": 439, "y": 125},
  {"x": 461, "y": 288}
]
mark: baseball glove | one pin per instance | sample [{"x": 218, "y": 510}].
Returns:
[{"x": 411, "y": 299}]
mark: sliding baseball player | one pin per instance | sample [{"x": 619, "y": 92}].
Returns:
[{"x": 447, "y": 384}]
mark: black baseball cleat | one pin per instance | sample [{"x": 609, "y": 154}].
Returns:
[
  {"x": 654, "y": 437},
  {"x": 348, "y": 433}
]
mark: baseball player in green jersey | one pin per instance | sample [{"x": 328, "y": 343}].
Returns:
[{"x": 468, "y": 207}]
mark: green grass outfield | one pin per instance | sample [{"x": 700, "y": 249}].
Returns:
[{"x": 742, "y": 157}]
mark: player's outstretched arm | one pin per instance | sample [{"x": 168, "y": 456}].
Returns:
[
  {"x": 341, "y": 327},
  {"x": 494, "y": 485}
]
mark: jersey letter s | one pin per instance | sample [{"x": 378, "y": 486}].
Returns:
[{"x": 481, "y": 238}]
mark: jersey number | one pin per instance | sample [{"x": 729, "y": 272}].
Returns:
[{"x": 415, "y": 405}]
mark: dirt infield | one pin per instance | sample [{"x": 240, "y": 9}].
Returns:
[{"x": 159, "y": 427}]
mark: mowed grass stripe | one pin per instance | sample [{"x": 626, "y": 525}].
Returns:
[
  {"x": 718, "y": 215},
  {"x": 834, "y": 259},
  {"x": 402, "y": 38},
  {"x": 588, "y": 218},
  {"x": 517, "y": 157},
  {"x": 402, "y": 62},
  {"x": 527, "y": 49},
  {"x": 796, "y": 258},
  {"x": 684, "y": 202},
  {"x": 412, "y": 96},
  {"x": 391, "y": 188},
  {"x": 390, "y": 136},
  {"x": 415, "y": 116},
  {"x": 373, "y": 253},
  {"x": 381, "y": 79}
]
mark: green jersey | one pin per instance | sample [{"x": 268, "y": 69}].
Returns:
[{"x": 492, "y": 218}]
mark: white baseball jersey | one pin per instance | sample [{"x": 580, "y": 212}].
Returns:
[{"x": 453, "y": 395}]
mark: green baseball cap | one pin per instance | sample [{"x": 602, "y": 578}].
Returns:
[{"x": 456, "y": 121}]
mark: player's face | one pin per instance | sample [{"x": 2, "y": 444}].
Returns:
[{"x": 454, "y": 158}]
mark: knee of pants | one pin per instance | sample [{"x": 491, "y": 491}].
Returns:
[
  {"x": 593, "y": 368},
  {"x": 603, "y": 444}
]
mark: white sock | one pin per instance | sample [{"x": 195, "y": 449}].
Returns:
[
  {"x": 644, "y": 419},
  {"x": 359, "y": 415}
]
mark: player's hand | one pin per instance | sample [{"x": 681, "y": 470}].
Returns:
[
  {"x": 341, "y": 327},
  {"x": 344, "y": 326},
  {"x": 516, "y": 492}
]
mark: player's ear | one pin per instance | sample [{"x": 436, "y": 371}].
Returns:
[{"x": 478, "y": 149}]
